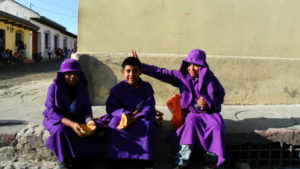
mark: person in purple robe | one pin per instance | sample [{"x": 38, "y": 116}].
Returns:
[
  {"x": 67, "y": 106},
  {"x": 201, "y": 99},
  {"x": 133, "y": 97}
]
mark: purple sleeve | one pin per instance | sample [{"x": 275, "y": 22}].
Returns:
[
  {"x": 51, "y": 112},
  {"x": 216, "y": 93},
  {"x": 113, "y": 104},
  {"x": 149, "y": 108},
  {"x": 169, "y": 76}
]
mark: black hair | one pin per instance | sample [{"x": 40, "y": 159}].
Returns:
[{"x": 132, "y": 62}]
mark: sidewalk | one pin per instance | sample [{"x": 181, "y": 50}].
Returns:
[{"x": 261, "y": 119}]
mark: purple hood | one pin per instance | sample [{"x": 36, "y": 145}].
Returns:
[{"x": 197, "y": 57}]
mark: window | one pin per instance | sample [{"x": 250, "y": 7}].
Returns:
[
  {"x": 65, "y": 43},
  {"x": 46, "y": 40},
  {"x": 55, "y": 42},
  {"x": 2, "y": 39},
  {"x": 18, "y": 39}
]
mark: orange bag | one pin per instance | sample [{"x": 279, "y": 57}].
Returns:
[{"x": 174, "y": 106}]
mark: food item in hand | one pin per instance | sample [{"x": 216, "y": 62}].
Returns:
[
  {"x": 86, "y": 129},
  {"x": 123, "y": 122}
]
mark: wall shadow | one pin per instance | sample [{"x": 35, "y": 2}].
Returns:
[{"x": 101, "y": 78}]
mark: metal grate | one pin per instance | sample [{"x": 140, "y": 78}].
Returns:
[{"x": 263, "y": 155}]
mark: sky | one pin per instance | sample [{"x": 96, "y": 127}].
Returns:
[{"x": 63, "y": 12}]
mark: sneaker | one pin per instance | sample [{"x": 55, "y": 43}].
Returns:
[{"x": 62, "y": 165}]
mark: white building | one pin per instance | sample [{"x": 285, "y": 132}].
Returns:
[{"x": 50, "y": 35}]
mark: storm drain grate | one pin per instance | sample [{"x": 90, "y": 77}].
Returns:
[{"x": 267, "y": 155}]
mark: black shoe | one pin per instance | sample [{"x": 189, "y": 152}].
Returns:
[
  {"x": 210, "y": 166},
  {"x": 179, "y": 167}
]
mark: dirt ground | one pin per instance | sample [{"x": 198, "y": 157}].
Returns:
[
  {"x": 23, "y": 90},
  {"x": 20, "y": 73}
]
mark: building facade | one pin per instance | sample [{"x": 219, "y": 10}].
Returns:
[
  {"x": 52, "y": 36},
  {"x": 252, "y": 46},
  {"x": 14, "y": 32},
  {"x": 48, "y": 35}
]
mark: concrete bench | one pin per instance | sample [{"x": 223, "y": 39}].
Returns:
[{"x": 242, "y": 129}]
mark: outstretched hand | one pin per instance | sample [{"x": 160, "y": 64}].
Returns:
[{"x": 134, "y": 54}]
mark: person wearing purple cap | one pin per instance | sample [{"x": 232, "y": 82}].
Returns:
[
  {"x": 67, "y": 106},
  {"x": 201, "y": 98}
]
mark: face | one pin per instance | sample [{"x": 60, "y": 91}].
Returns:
[
  {"x": 131, "y": 74},
  {"x": 71, "y": 78},
  {"x": 193, "y": 70}
]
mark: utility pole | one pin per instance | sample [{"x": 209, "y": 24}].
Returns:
[{"x": 31, "y": 5}]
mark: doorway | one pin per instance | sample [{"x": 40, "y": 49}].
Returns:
[{"x": 2, "y": 39}]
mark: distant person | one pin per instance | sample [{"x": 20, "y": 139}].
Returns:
[
  {"x": 24, "y": 51},
  {"x": 49, "y": 52},
  {"x": 38, "y": 57},
  {"x": 3, "y": 55},
  {"x": 133, "y": 97},
  {"x": 1, "y": 43},
  {"x": 201, "y": 98},
  {"x": 67, "y": 106}
]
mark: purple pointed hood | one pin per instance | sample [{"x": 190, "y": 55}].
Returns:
[{"x": 197, "y": 57}]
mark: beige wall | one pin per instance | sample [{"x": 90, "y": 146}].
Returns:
[
  {"x": 246, "y": 80},
  {"x": 268, "y": 28},
  {"x": 252, "y": 46}
]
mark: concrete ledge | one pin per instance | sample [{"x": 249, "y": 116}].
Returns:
[
  {"x": 245, "y": 125},
  {"x": 247, "y": 80}
]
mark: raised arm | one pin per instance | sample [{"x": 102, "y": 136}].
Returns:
[{"x": 169, "y": 76}]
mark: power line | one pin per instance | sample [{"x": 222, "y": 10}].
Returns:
[
  {"x": 57, "y": 5},
  {"x": 58, "y": 13}
]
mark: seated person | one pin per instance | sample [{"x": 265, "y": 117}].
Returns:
[
  {"x": 4, "y": 55},
  {"x": 67, "y": 106},
  {"x": 201, "y": 97},
  {"x": 133, "y": 97},
  {"x": 37, "y": 57}
]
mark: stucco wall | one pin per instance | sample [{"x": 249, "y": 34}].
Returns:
[
  {"x": 252, "y": 45},
  {"x": 247, "y": 80},
  {"x": 268, "y": 28}
]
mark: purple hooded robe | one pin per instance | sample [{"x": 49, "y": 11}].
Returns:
[
  {"x": 202, "y": 129},
  {"x": 63, "y": 141},
  {"x": 137, "y": 140}
]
